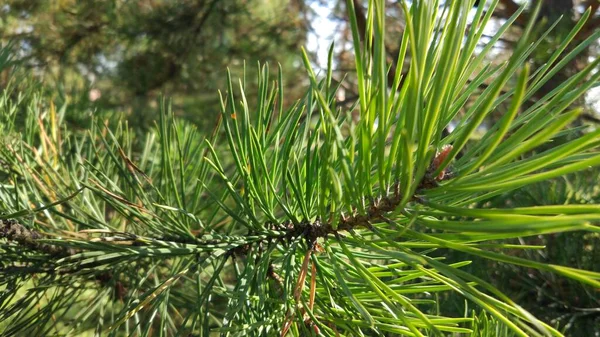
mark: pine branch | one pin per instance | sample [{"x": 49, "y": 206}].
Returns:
[
  {"x": 12, "y": 230},
  {"x": 375, "y": 211}
]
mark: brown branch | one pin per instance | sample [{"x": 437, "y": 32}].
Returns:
[
  {"x": 592, "y": 24},
  {"x": 590, "y": 118},
  {"x": 375, "y": 211},
  {"x": 510, "y": 6},
  {"x": 593, "y": 4},
  {"x": 12, "y": 230},
  {"x": 361, "y": 19},
  {"x": 509, "y": 9},
  {"x": 198, "y": 29}
]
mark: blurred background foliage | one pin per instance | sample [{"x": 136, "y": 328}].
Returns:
[
  {"x": 115, "y": 58},
  {"x": 121, "y": 55}
]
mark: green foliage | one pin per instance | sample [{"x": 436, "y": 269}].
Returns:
[
  {"x": 548, "y": 297},
  {"x": 128, "y": 53},
  {"x": 301, "y": 219}
]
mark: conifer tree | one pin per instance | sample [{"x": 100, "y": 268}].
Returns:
[{"x": 297, "y": 220}]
